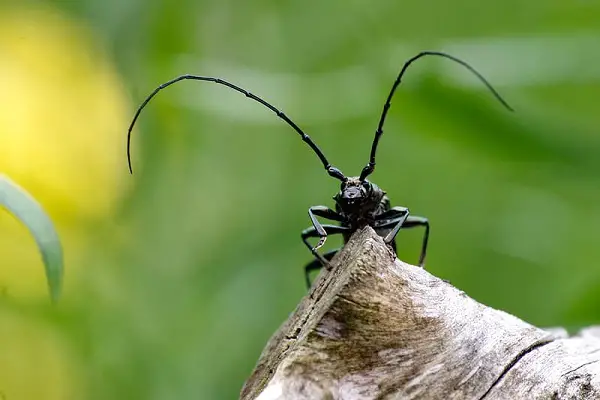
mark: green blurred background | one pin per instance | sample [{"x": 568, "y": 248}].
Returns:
[{"x": 177, "y": 276}]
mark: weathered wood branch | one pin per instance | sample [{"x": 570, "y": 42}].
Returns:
[{"x": 376, "y": 328}]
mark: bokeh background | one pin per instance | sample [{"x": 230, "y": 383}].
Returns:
[{"x": 177, "y": 276}]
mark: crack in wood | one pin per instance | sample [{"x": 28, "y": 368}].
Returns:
[{"x": 514, "y": 362}]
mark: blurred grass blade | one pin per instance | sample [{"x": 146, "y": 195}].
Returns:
[{"x": 30, "y": 213}]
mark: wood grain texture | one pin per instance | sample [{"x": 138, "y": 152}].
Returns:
[{"x": 377, "y": 328}]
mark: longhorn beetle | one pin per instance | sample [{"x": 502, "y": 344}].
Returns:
[{"x": 359, "y": 201}]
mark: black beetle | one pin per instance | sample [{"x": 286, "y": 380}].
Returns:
[{"x": 359, "y": 202}]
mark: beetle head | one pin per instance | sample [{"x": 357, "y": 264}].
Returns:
[{"x": 357, "y": 195}]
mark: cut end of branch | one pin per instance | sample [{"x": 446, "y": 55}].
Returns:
[{"x": 375, "y": 328}]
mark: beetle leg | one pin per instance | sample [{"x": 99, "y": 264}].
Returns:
[
  {"x": 413, "y": 221},
  {"x": 409, "y": 222},
  {"x": 391, "y": 214},
  {"x": 398, "y": 222},
  {"x": 324, "y": 212},
  {"x": 313, "y": 231}
]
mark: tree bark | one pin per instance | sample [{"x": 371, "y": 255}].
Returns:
[{"x": 377, "y": 328}]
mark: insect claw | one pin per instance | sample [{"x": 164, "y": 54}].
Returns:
[{"x": 321, "y": 243}]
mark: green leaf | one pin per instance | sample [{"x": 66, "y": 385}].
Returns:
[{"x": 29, "y": 212}]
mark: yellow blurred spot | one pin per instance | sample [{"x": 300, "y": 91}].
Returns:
[
  {"x": 35, "y": 361},
  {"x": 63, "y": 120}
]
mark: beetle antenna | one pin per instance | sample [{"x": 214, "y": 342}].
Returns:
[
  {"x": 368, "y": 169},
  {"x": 332, "y": 171}
]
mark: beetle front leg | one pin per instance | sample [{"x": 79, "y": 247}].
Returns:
[
  {"x": 390, "y": 215},
  {"x": 393, "y": 217},
  {"x": 409, "y": 222},
  {"x": 313, "y": 231},
  {"x": 324, "y": 212}
]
